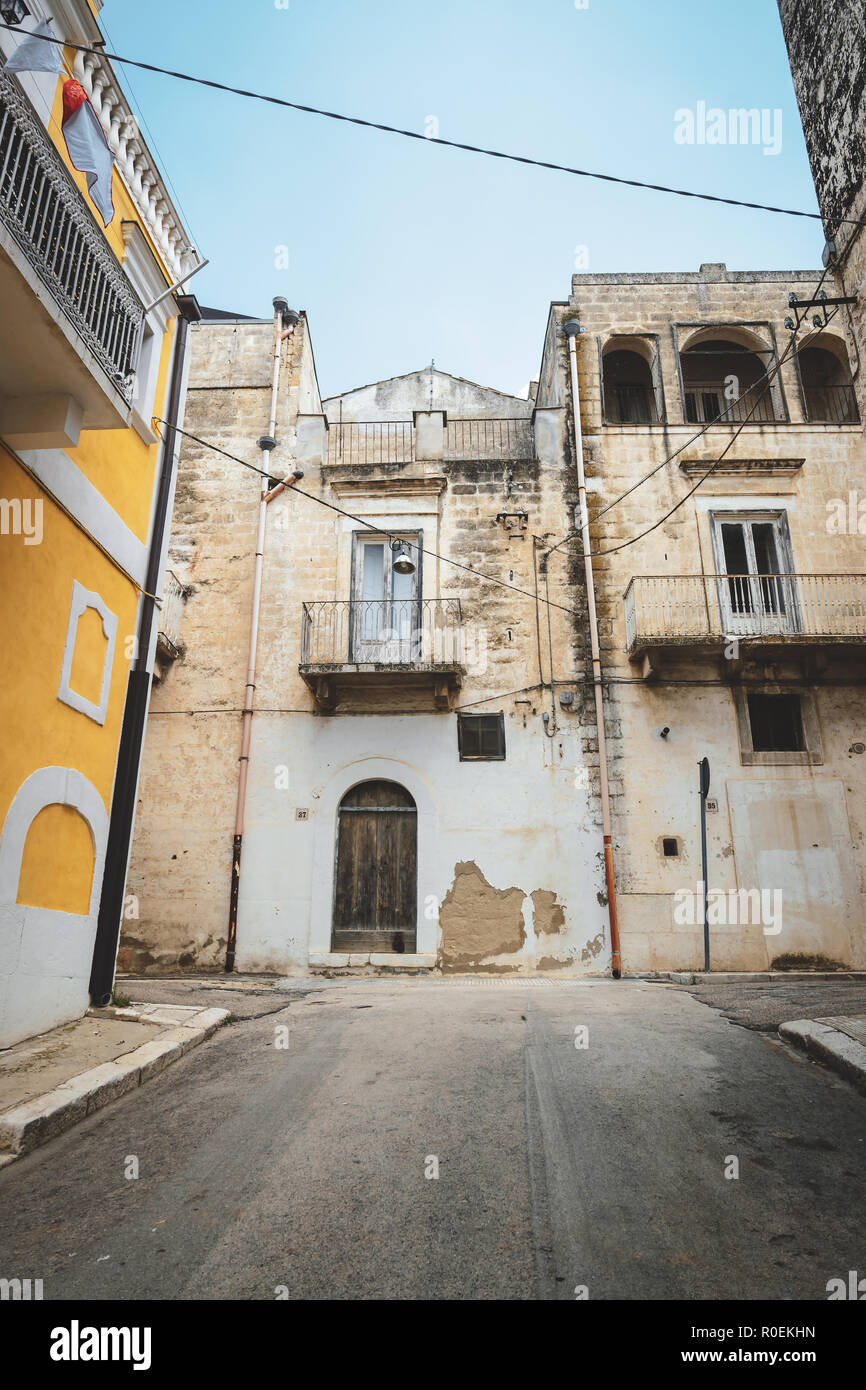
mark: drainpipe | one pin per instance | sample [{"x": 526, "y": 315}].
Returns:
[
  {"x": 572, "y": 328},
  {"x": 138, "y": 691},
  {"x": 285, "y": 320}
]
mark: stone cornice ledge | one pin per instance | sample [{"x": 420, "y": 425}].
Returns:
[{"x": 742, "y": 468}]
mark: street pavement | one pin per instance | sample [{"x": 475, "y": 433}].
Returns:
[{"x": 266, "y": 1169}]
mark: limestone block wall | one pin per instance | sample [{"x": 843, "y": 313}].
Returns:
[{"x": 810, "y": 841}]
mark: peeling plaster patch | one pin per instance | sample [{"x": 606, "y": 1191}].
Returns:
[
  {"x": 548, "y": 915},
  {"x": 553, "y": 963},
  {"x": 479, "y": 921},
  {"x": 593, "y": 948}
]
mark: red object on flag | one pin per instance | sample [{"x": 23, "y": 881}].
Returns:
[{"x": 88, "y": 147}]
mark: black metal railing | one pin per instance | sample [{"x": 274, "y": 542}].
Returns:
[
  {"x": 389, "y": 632},
  {"x": 831, "y": 405},
  {"x": 49, "y": 220},
  {"x": 489, "y": 438},
  {"x": 708, "y": 402},
  {"x": 371, "y": 442},
  {"x": 629, "y": 405}
]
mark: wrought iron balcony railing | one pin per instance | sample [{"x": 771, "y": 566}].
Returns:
[
  {"x": 171, "y": 611},
  {"x": 48, "y": 218},
  {"x": 687, "y": 609},
  {"x": 419, "y": 634},
  {"x": 489, "y": 439},
  {"x": 371, "y": 442},
  {"x": 706, "y": 401},
  {"x": 629, "y": 405},
  {"x": 831, "y": 405}
]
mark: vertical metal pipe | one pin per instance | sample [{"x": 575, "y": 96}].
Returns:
[{"x": 572, "y": 329}]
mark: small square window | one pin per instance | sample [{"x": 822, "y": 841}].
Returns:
[
  {"x": 670, "y": 847},
  {"x": 481, "y": 737},
  {"x": 776, "y": 723}
]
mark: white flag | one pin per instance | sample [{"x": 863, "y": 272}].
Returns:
[
  {"x": 87, "y": 146},
  {"x": 35, "y": 55}
]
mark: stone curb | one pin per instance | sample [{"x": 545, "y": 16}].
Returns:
[
  {"x": 753, "y": 977},
  {"x": 843, "y": 1054},
  {"x": 27, "y": 1126}
]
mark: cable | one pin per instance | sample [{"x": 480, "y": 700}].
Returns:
[
  {"x": 766, "y": 377},
  {"x": 613, "y": 550},
  {"x": 152, "y": 141},
  {"x": 479, "y": 574},
  {"x": 428, "y": 139},
  {"x": 711, "y": 424}
]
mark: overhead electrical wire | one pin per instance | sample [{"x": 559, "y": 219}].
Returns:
[
  {"x": 292, "y": 487},
  {"x": 711, "y": 424},
  {"x": 418, "y": 135}
]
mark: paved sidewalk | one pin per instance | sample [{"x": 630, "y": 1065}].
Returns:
[
  {"x": 51, "y": 1082},
  {"x": 838, "y": 1042}
]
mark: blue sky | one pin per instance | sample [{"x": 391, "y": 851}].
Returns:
[{"x": 401, "y": 251}]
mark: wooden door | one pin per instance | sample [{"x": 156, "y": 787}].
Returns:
[{"x": 375, "y": 900}]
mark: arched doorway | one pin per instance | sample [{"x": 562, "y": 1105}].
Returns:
[{"x": 376, "y": 892}]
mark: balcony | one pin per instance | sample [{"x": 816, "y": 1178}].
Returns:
[
  {"x": 831, "y": 405},
  {"x": 382, "y": 650},
  {"x": 371, "y": 442},
  {"x": 489, "y": 439},
  {"x": 71, "y": 317},
  {"x": 378, "y": 442},
  {"x": 710, "y": 611},
  {"x": 706, "y": 401},
  {"x": 174, "y": 595}
]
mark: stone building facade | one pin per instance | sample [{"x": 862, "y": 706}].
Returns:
[
  {"x": 735, "y": 628},
  {"x": 421, "y": 784},
  {"x": 826, "y": 42}
]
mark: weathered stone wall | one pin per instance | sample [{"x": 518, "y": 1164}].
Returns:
[
  {"x": 827, "y": 52},
  {"x": 654, "y": 779},
  {"x": 826, "y": 42},
  {"x": 524, "y": 832}
]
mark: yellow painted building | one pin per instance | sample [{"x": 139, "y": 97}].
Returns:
[{"x": 92, "y": 347}]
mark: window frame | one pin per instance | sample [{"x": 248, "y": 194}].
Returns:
[
  {"x": 656, "y": 377},
  {"x": 463, "y": 720},
  {"x": 811, "y": 756}
]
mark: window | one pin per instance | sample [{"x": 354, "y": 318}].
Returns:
[
  {"x": 825, "y": 373},
  {"x": 481, "y": 737},
  {"x": 722, "y": 377},
  {"x": 386, "y": 609},
  {"x": 670, "y": 847},
  {"x": 754, "y": 564},
  {"x": 778, "y": 727},
  {"x": 148, "y": 281},
  {"x": 632, "y": 381},
  {"x": 776, "y": 722}
]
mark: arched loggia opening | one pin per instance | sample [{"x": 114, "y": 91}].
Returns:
[
  {"x": 723, "y": 378},
  {"x": 631, "y": 394},
  {"x": 828, "y": 389}
]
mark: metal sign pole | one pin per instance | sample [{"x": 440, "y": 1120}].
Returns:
[{"x": 704, "y": 766}]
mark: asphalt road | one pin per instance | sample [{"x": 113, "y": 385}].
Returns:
[{"x": 601, "y": 1166}]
